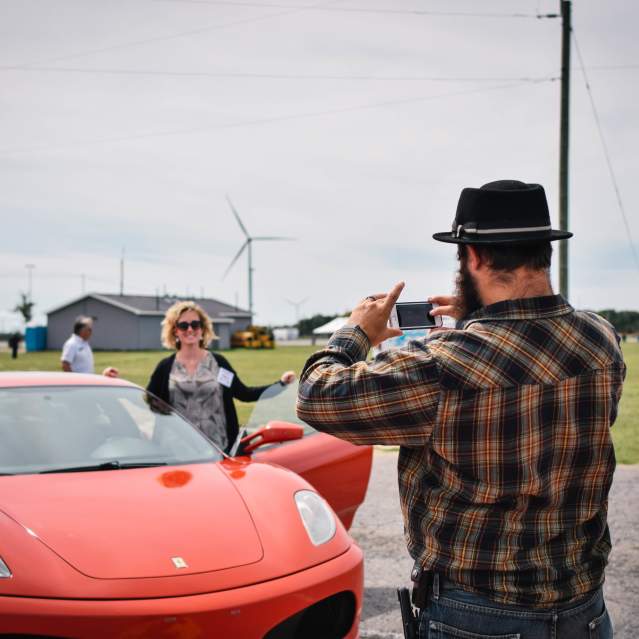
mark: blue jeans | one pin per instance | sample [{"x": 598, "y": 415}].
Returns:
[{"x": 456, "y": 614}]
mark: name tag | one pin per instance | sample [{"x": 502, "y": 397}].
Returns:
[{"x": 225, "y": 377}]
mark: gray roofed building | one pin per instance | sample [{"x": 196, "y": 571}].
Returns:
[{"x": 133, "y": 322}]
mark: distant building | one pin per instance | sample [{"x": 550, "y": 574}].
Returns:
[
  {"x": 286, "y": 333},
  {"x": 132, "y": 322}
]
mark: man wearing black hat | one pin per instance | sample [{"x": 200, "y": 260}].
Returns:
[{"x": 505, "y": 459}]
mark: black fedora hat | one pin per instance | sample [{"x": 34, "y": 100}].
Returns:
[{"x": 502, "y": 212}]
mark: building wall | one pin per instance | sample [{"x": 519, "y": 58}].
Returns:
[
  {"x": 117, "y": 329},
  {"x": 223, "y": 331},
  {"x": 239, "y": 324},
  {"x": 113, "y": 328},
  {"x": 150, "y": 331}
]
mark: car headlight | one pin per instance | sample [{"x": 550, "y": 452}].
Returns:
[
  {"x": 5, "y": 573},
  {"x": 317, "y": 517}
]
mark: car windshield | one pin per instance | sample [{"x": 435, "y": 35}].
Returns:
[
  {"x": 277, "y": 403},
  {"x": 75, "y": 428}
]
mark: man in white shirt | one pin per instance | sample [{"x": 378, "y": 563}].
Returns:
[{"x": 77, "y": 356}]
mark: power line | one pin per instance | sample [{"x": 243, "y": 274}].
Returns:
[
  {"x": 290, "y": 9},
  {"x": 292, "y": 76},
  {"x": 382, "y": 11},
  {"x": 270, "y": 76},
  {"x": 613, "y": 67},
  {"x": 263, "y": 121},
  {"x": 51, "y": 275},
  {"x": 173, "y": 36},
  {"x": 606, "y": 153}
]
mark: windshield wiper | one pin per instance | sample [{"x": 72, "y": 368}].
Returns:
[{"x": 113, "y": 464}]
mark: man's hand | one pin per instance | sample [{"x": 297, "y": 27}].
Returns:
[
  {"x": 447, "y": 306},
  {"x": 372, "y": 314},
  {"x": 288, "y": 377},
  {"x": 109, "y": 371}
]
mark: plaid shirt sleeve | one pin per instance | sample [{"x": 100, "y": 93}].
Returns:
[{"x": 391, "y": 400}]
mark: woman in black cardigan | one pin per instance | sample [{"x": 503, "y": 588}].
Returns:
[{"x": 199, "y": 384}]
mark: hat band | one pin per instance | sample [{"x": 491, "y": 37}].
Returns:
[{"x": 521, "y": 229}]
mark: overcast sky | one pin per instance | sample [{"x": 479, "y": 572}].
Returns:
[{"x": 351, "y": 125}]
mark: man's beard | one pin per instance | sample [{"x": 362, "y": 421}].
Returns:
[{"x": 468, "y": 299}]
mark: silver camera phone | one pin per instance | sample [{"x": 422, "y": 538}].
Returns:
[{"x": 413, "y": 315}]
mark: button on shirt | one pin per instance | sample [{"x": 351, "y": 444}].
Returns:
[
  {"x": 78, "y": 353},
  {"x": 505, "y": 456}
]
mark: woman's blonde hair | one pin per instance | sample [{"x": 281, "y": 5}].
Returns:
[{"x": 172, "y": 316}]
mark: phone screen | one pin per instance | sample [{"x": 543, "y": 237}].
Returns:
[{"x": 414, "y": 315}]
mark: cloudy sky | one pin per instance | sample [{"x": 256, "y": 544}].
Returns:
[{"x": 350, "y": 125}]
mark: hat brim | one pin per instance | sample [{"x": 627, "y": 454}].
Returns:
[{"x": 521, "y": 238}]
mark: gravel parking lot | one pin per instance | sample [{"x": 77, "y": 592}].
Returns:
[{"x": 378, "y": 530}]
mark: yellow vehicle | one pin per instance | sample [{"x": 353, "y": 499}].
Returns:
[{"x": 253, "y": 337}]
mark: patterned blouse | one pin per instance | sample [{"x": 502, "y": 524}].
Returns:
[{"x": 199, "y": 398}]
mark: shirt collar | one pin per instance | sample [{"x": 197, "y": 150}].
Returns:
[{"x": 527, "y": 308}]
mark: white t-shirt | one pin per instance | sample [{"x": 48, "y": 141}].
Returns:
[{"x": 78, "y": 353}]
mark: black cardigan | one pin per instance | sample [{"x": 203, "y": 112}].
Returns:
[{"x": 159, "y": 386}]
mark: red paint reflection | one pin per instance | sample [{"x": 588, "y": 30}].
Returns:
[{"x": 175, "y": 478}]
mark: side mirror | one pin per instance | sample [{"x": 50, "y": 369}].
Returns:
[{"x": 274, "y": 432}]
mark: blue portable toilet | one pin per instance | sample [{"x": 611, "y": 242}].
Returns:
[{"x": 35, "y": 338}]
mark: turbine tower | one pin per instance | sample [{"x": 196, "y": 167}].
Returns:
[
  {"x": 297, "y": 307},
  {"x": 248, "y": 244}
]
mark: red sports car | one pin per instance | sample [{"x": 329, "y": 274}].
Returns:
[{"x": 119, "y": 519}]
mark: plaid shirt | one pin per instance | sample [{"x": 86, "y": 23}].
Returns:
[{"x": 505, "y": 458}]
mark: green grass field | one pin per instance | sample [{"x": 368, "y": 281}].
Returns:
[{"x": 263, "y": 367}]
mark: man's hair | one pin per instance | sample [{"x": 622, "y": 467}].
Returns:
[
  {"x": 505, "y": 257},
  {"x": 81, "y": 322}
]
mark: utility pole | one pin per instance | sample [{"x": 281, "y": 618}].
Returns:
[
  {"x": 250, "y": 276},
  {"x": 566, "y": 28},
  {"x": 30, "y": 268},
  {"x": 122, "y": 273}
]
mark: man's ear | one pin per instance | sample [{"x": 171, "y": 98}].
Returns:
[{"x": 474, "y": 259}]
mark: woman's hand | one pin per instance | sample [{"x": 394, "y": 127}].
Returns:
[
  {"x": 109, "y": 371},
  {"x": 288, "y": 377}
]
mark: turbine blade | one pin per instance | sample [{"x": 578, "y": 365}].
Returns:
[
  {"x": 274, "y": 238},
  {"x": 296, "y": 303},
  {"x": 235, "y": 259},
  {"x": 237, "y": 217}
]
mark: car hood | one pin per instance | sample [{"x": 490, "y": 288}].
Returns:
[{"x": 146, "y": 522}]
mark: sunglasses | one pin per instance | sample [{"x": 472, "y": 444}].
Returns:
[{"x": 194, "y": 324}]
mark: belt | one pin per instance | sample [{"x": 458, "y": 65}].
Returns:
[{"x": 427, "y": 583}]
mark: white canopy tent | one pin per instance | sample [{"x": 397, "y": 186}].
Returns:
[{"x": 330, "y": 327}]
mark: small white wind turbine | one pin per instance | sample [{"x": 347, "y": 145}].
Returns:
[
  {"x": 248, "y": 245},
  {"x": 297, "y": 305}
]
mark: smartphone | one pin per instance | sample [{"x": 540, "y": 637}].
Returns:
[{"x": 409, "y": 315}]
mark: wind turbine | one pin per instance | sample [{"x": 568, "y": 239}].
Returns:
[
  {"x": 248, "y": 244},
  {"x": 297, "y": 307}
]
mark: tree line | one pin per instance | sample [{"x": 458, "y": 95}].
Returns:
[{"x": 623, "y": 321}]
